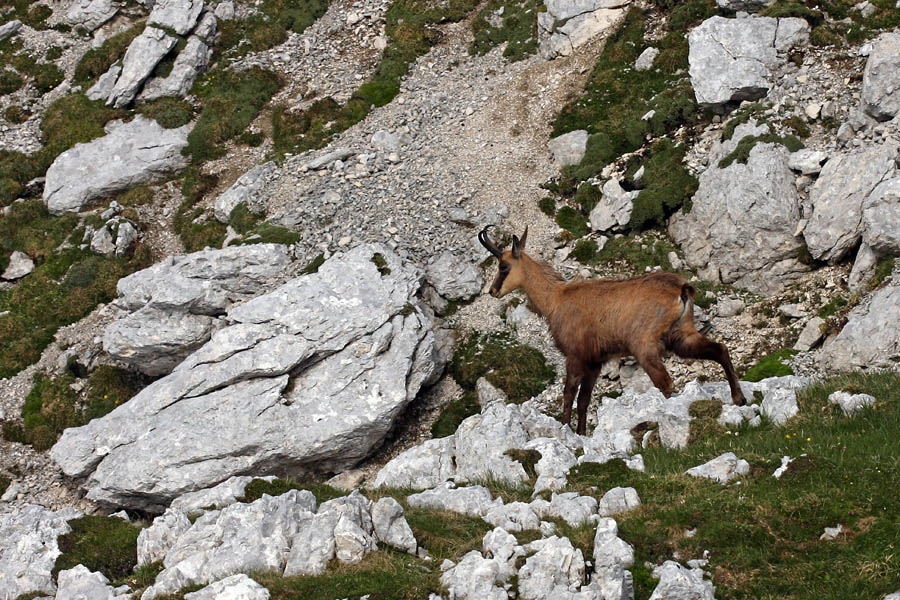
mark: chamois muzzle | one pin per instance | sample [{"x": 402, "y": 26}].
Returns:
[{"x": 487, "y": 243}]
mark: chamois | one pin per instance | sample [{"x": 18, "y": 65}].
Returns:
[{"x": 593, "y": 321}]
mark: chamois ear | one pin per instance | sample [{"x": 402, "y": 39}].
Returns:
[{"x": 519, "y": 244}]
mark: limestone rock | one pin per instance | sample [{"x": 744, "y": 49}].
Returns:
[
  {"x": 154, "y": 542},
  {"x": 245, "y": 190},
  {"x": 90, "y": 14},
  {"x": 105, "y": 84},
  {"x": 881, "y": 78},
  {"x": 385, "y": 140},
  {"x": 870, "y": 339},
  {"x": 811, "y": 335},
  {"x": 474, "y": 578},
  {"x": 613, "y": 211},
  {"x": 881, "y": 214},
  {"x": 216, "y": 497},
  {"x": 568, "y": 148},
  {"x": 20, "y": 265},
  {"x": 554, "y": 464},
  {"x": 732, "y": 59},
  {"x": 142, "y": 56},
  {"x": 676, "y": 581},
  {"x": 806, "y": 161},
  {"x": 424, "y": 466},
  {"x": 743, "y": 5},
  {"x": 840, "y": 195},
  {"x": 178, "y": 15},
  {"x": 851, "y": 403},
  {"x": 617, "y": 500},
  {"x": 10, "y": 29},
  {"x": 483, "y": 439},
  {"x": 130, "y": 154},
  {"x": 236, "y": 587},
  {"x": 779, "y": 405},
  {"x": 391, "y": 527},
  {"x": 644, "y": 62},
  {"x": 473, "y": 500},
  {"x": 312, "y": 546},
  {"x": 741, "y": 227},
  {"x": 80, "y": 583},
  {"x": 575, "y": 510},
  {"x": 28, "y": 548},
  {"x": 189, "y": 64},
  {"x": 372, "y": 355},
  {"x": 454, "y": 279},
  {"x": 556, "y": 564},
  {"x": 568, "y": 24},
  {"x": 723, "y": 468},
  {"x": 515, "y": 516}
]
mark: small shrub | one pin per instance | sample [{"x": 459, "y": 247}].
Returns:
[
  {"x": 587, "y": 197},
  {"x": 547, "y": 206},
  {"x": 107, "y": 388},
  {"x": 668, "y": 186},
  {"x": 46, "y": 77},
  {"x": 197, "y": 235},
  {"x": 572, "y": 221},
  {"x": 105, "y": 544},
  {"x": 636, "y": 254},
  {"x": 771, "y": 366}
]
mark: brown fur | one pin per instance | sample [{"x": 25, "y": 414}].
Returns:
[{"x": 595, "y": 320}]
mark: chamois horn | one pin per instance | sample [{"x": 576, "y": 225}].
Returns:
[{"x": 483, "y": 238}]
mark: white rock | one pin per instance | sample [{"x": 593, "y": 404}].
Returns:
[
  {"x": 473, "y": 500},
  {"x": 677, "y": 582},
  {"x": 617, "y": 500},
  {"x": 568, "y": 148},
  {"x": 779, "y": 405},
  {"x": 723, "y": 468},
  {"x": 851, "y": 403},
  {"x": 236, "y": 587},
  {"x": 20, "y": 265}
]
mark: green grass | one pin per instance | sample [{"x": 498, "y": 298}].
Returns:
[
  {"x": 832, "y": 308},
  {"x": 256, "y": 231},
  {"x": 30, "y": 13},
  {"x": 517, "y": 27},
  {"x": 108, "y": 387},
  {"x": 771, "y": 366},
  {"x": 410, "y": 26},
  {"x": 231, "y": 101},
  {"x": 168, "y": 112},
  {"x": 573, "y": 221},
  {"x": 269, "y": 28},
  {"x": 16, "y": 114},
  {"x": 62, "y": 290},
  {"x": 519, "y": 371},
  {"x": 256, "y": 488},
  {"x": 741, "y": 153},
  {"x": 195, "y": 232},
  {"x": 29, "y": 228},
  {"x": 4, "y": 484},
  {"x": 105, "y": 544},
  {"x": 634, "y": 254},
  {"x": 763, "y": 535},
  {"x": 455, "y": 413},
  {"x": 668, "y": 186}
]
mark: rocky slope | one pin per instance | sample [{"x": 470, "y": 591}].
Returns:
[{"x": 340, "y": 159}]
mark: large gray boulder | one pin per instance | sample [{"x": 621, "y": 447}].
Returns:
[
  {"x": 840, "y": 195},
  {"x": 80, "y": 583},
  {"x": 871, "y": 338},
  {"x": 880, "y": 94},
  {"x": 454, "y": 279},
  {"x": 881, "y": 218},
  {"x": 568, "y": 148},
  {"x": 29, "y": 548},
  {"x": 90, "y": 14},
  {"x": 568, "y": 24},
  {"x": 178, "y": 15},
  {"x": 741, "y": 227},
  {"x": 142, "y": 56},
  {"x": 733, "y": 59},
  {"x": 130, "y": 154},
  {"x": 308, "y": 377},
  {"x": 176, "y": 303}
]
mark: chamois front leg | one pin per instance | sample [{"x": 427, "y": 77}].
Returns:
[
  {"x": 573, "y": 380},
  {"x": 653, "y": 365}
]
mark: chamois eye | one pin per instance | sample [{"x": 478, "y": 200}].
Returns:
[{"x": 504, "y": 267}]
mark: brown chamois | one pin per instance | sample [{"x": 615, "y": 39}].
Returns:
[{"x": 593, "y": 321}]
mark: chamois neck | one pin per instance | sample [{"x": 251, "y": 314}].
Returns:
[{"x": 541, "y": 283}]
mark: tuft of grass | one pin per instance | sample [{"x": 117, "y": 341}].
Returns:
[
  {"x": 518, "y": 370},
  {"x": 668, "y": 186},
  {"x": 168, "y": 112},
  {"x": 231, "y": 101},
  {"x": 105, "y": 544},
  {"x": 314, "y": 264},
  {"x": 455, "y": 413},
  {"x": 29, "y": 228},
  {"x": 30, "y": 13},
  {"x": 257, "y": 231},
  {"x": 195, "y": 232},
  {"x": 256, "y": 488},
  {"x": 10, "y": 81},
  {"x": 572, "y": 221},
  {"x": 517, "y": 28},
  {"x": 97, "y": 61},
  {"x": 883, "y": 270},
  {"x": 633, "y": 253},
  {"x": 771, "y": 366},
  {"x": 108, "y": 387},
  {"x": 742, "y": 151},
  {"x": 763, "y": 535},
  {"x": 548, "y": 206},
  {"x": 49, "y": 408},
  {"x": 446, "y": 534},
  {"x": 16, "y": 114},
  {"x": 835, "y": 305},
  {"x": 4, "y": 484},
  {"x": 740, "y": 117}
]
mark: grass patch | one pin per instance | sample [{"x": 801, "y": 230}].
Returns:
[
  {"x": 314, "y": 264},
  {"x": 883, "y": 270},
  {"x": 29, "y": 228},
  {"x": 763, "y": 536},
  {"x": 62, "y": 290},
  {"x": 455, "y": 413},
  {"x": 268, "y": 28},
  {"x": 4, "y": 484},
  {"x": 832, "y": 308},
  {"x": 631, "y": 253},
  {"x": 193, "y": 225},
  {"x": 30, "y": 13},
  {"x": 668, "y": 186},
  {"x": 256, "y": 488},
  {"x": 510, "y": 22},
  {"x": 742, "y": 151},
  {"x": 168, "y": 112},
  {"x": 16, "y": 114},
  {"x": 741, "y": 116},
  {"x": 548, "y": 206},
  {"x": 256, "y": 231},
  {"x": 108, "y": 387},
  {"x": 446, "y": 534},
  {"x": 771, "y": 366},
  {"x": 105, "y": 544},
  {"x": 410, "y": 25},
  {"x": 231, "y": 101},
  {"x": 573, "y": 221},
  {"x": 519, "y": 371}
]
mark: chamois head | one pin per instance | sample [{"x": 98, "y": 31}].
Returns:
[{"x": 511, "y": 275}]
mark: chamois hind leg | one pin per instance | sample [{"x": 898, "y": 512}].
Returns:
[
  {"x": 652, "y": 364},
  {"x": 584, "y": 398},
  {"x": 574, "y": 374},
  {"x": 696, "y": 345}
]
